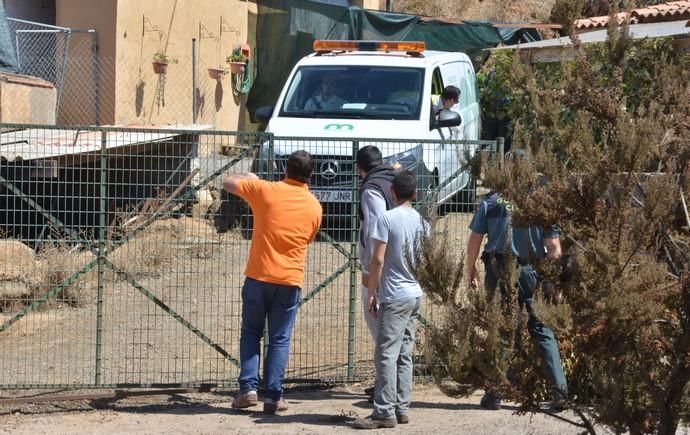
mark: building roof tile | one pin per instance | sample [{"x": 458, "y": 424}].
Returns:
[{"x": 675, "y": 10}]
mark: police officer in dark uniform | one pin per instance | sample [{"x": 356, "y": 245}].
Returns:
[{"x": 525, "y": 244}]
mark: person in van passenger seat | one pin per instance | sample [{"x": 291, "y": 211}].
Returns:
[
  {"x": 448, "y": 98},
  {"x": 326, "y": 99},
  {"x": 407, "y": 94}
]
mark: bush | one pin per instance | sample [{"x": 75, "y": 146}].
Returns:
[{"x": 610, "y": 131}]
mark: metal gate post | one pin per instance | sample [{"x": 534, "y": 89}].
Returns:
[
  {"x": 353, "y": 271},
  {"x": 269, "y": 175},
  {"x": 500, "y": 145},
  {"x": 102, "y": 224},
  {"x": 194, "y": 79}
]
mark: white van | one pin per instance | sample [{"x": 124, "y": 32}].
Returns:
[{"x": 382, "y": 90}]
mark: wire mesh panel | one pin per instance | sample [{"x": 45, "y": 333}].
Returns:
[
  {"x": 122, "y": 260},
  {"x": 41, "y": 48},
  {"x": 49, "y": 267}
]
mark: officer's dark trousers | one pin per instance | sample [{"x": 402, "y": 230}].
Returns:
[{"x": 544, "y": 338}]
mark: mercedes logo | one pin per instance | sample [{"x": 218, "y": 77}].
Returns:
[{"x": 329, "y": 169}]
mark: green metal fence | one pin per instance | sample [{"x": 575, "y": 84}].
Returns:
[{"x": 121, "y": 259}]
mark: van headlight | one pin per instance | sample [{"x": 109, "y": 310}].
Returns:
[
  {"x": 406, "y": 160},
  {"x": 264, "y": 164}
]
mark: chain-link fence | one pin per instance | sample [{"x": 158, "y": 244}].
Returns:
[
  {"x": 93, "y": 88},
  {"x": 122, "y": 261}
]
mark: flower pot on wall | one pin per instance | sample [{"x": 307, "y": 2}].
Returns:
[
  {"x": 216, "y": 73},
  {"x": 237, "y": 67},
  {"x": 160, "y": 67}
]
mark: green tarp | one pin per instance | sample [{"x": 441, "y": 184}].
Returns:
[
  {"x": 8, "y": 57},
  {"x": 286, "y": 30}
]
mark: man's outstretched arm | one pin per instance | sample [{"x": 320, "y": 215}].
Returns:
[{"x": 230, "y": 182}]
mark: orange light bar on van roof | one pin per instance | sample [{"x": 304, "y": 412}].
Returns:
[{"x": 322, "y": 45}]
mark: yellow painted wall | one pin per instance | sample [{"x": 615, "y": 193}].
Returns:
[
  {"x": 130, "y": 32},
  {"x": 370, "y": 4},
  {"x": 146, "y": 27},
  {"x": 77, "y": 103}
]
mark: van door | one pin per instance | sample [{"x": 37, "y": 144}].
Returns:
[
  {"x": 471, "y": 102},
  {"x": 461, "y": 74},
  {"x": 445, "y": 157}
]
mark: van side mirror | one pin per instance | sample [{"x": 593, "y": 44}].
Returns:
[
  {"x": 448, "y": 118},
  {"x": 263, "y": 114}
]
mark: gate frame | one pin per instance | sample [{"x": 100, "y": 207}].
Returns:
[{"x": 102, "y": 263}]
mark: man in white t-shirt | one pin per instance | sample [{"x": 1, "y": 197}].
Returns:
[{"x": 397, "y": 294}]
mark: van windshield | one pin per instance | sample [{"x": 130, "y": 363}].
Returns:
[{"x": 362, "y": 92}]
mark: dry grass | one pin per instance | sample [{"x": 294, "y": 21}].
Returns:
[
  {"x": 57, "y": 262},
  {"x": 25, "y": 276}
]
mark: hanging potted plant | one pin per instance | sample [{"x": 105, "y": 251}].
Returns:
[
  {"x": 216, "y": 73},
  {"x": 161, "y": 61},
  {"x": 237, "y": 62}
]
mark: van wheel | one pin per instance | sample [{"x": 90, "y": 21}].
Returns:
[
  {"x": 441, "y": 209},
  {"x": 465, "y": 201},
  {"x": 426, "y": 183},
  {"x": 247, "y": 226},
  {"x": 234, "y": 213}
]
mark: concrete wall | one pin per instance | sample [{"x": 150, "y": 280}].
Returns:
[
  {"x": 26, "y": 100},
  {"x": 370, "y": 4}
]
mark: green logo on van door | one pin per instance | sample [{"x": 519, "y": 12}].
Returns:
[{"x": 339, "y": 127}]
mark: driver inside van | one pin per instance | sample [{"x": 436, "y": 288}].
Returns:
[{"x": 325, "y": 99}]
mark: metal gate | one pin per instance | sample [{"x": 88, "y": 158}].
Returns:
[{"x": 122, "y": 260}]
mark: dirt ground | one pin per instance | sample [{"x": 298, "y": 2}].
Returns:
[{"x": 311, "y": 411}]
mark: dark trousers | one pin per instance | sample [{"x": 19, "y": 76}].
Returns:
[
  {"x": 528, "y": 281},
  {"x": 278, "y": 304}
]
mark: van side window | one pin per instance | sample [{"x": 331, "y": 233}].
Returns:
[
  {"x": 471, "y": 86},
  {"x": 465, "y": 89}
]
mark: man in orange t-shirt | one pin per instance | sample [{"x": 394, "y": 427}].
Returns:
[{"x": 286, "y": 219}]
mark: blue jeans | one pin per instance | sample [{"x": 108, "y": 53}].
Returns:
[
  {"x": 280, "y": 304},
  {"x": 528, "y": 281}
]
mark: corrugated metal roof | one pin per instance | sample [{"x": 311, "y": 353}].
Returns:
[
  {"x": 38, "y": 143},
  {"x": 637, "y": 31},
  {"x": 662, "y": 12}
]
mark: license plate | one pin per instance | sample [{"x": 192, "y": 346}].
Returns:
[{"x": 333, "y": 195}]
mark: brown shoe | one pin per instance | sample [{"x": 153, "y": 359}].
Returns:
[
  {"x": 402, "y": 418},
  {"x": 372, "y": 422},
  {"x": 271, "y": 406},
  {"x": 245, "y": 400}
]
